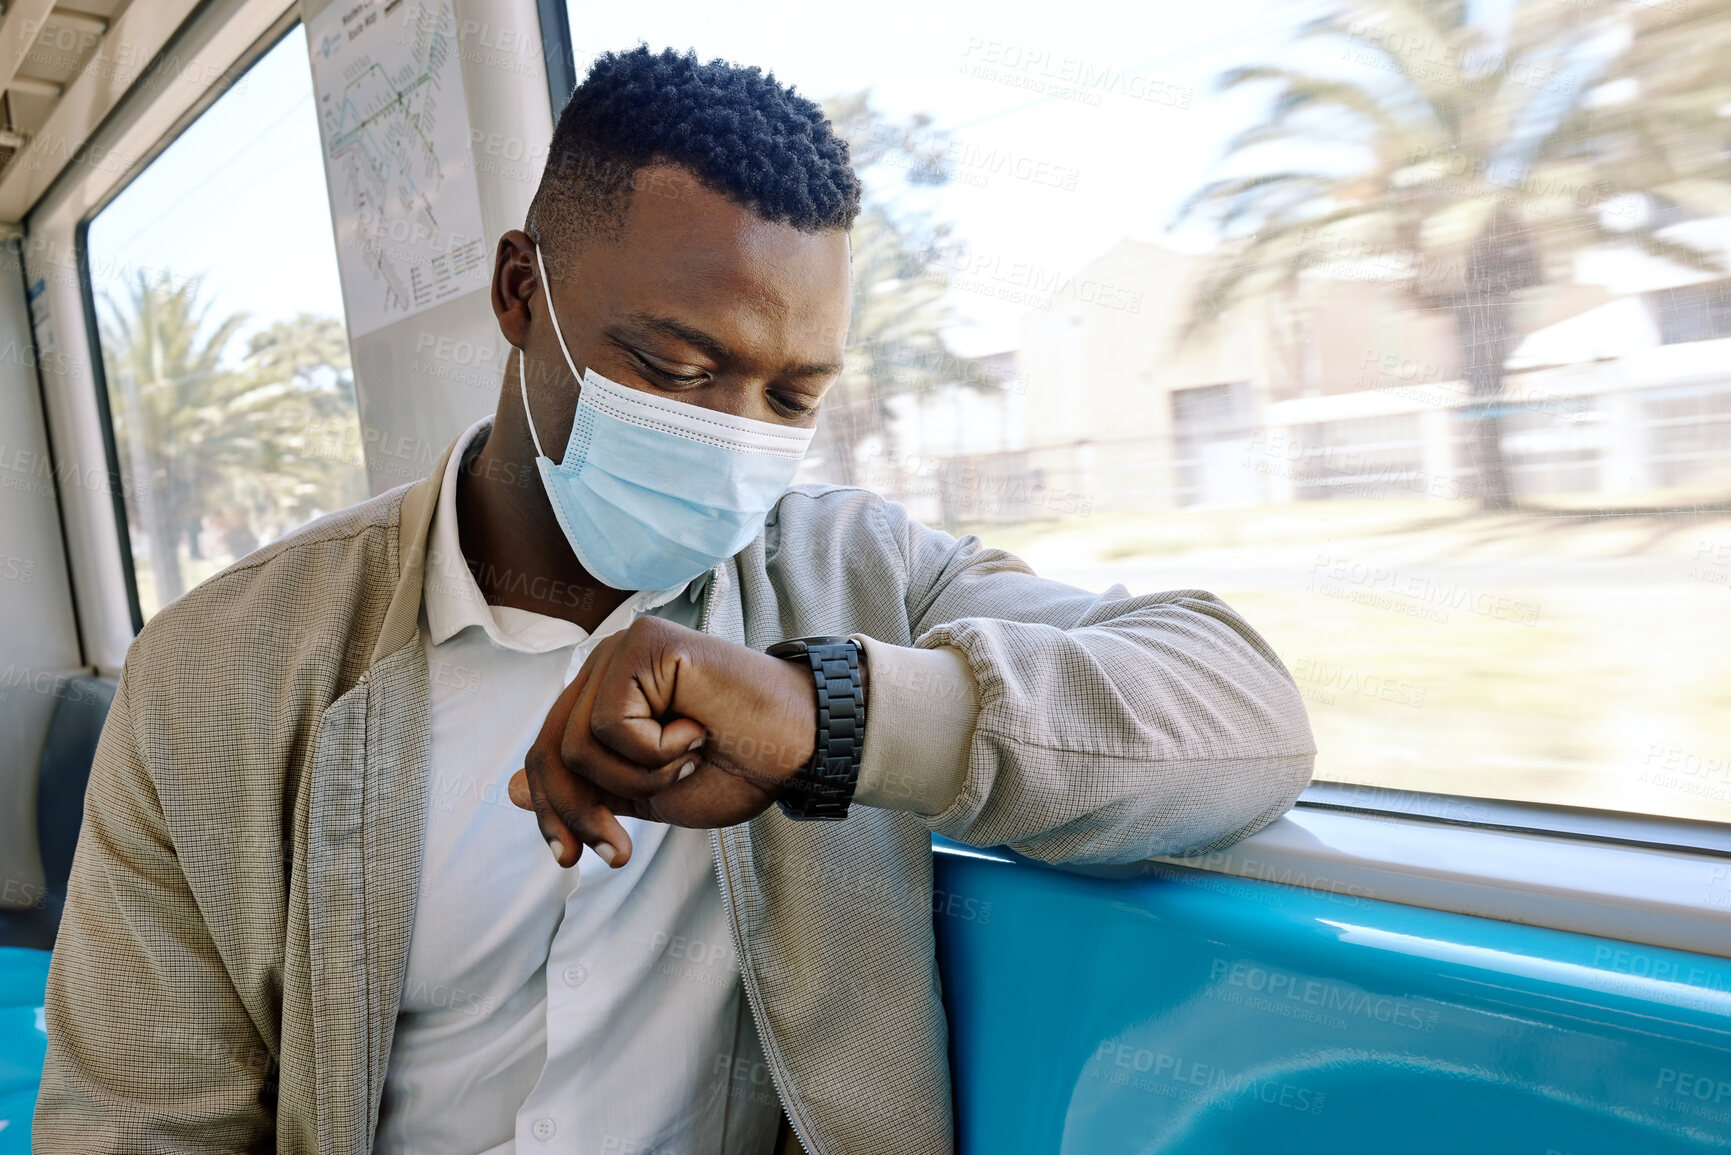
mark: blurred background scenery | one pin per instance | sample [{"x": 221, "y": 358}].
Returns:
[{"x": 1402, "y": 325}]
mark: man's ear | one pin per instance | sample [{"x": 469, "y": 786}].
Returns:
[{"x": 514, "y": 282}]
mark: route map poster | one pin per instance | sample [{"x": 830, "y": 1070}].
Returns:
[{"x": 397, "y": 161}]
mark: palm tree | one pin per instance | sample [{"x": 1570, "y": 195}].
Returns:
[
  {"x": 206, "y": 438},
  {"x": 1478, "y": 158},
  {"x": 168, "y": 377},
  {"x": 893, "y": 339},
  {"x": 300, "y": 389}
]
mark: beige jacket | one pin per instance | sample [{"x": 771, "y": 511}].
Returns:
[{"x": 228, "y": 972}]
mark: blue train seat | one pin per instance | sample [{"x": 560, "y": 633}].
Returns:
[
  {"x": 27, "y": 936},
  {"x": 62, "y": 774},
  {"x": 23, "y": 1043},
  {"x": 1174, "y": 1011}
]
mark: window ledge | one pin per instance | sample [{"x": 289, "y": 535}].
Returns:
[{"x": 1664, "y": 898}]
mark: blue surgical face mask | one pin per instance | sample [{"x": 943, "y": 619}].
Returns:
[{"x": 653, "y": 492}]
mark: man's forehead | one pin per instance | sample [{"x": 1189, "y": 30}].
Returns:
[
  {"x": 664, "y": 196},
  {"x": 699, "y": 256}
]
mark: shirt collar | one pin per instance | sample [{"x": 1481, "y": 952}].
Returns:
[{"x": 452, "y": 599}]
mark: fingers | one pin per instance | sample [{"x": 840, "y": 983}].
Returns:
[
  {"x": 636, "y": 683},
  {"x": 640, "y": 740},
  {"x": 567, "y": 807},
  {"x": 587, "y": 757},
  {"x": 643, "y": 769},
  {"x": 517, "y": 789},
  {"x": 621, "y": 741},
  {"x": 571, "y": 815}
]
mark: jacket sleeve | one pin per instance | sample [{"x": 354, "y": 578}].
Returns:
[
  {"x": 1070, "y": 726},
  {"x": 149, "y": 1047}
]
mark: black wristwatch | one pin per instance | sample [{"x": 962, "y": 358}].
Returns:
[{"x": 823, "y": 789}]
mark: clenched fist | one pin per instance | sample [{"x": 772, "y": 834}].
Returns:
[{"x": 666, "y": 723}]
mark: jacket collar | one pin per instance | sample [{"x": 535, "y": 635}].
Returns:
[{"x": 415, "y": 522}]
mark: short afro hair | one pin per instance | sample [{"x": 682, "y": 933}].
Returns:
[{"x": 741, "y": 133}]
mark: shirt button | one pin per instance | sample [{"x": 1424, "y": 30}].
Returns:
[
  {"x": 574, "y": 975},
  {"x": 543, "y": 1129}
]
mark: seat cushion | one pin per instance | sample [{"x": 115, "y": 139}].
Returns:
[
  {"x": 67, "y": 753},
  {"x": 32, "y": 928}
]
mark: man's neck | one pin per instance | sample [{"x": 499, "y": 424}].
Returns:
[{"x": 513, "y": 544}]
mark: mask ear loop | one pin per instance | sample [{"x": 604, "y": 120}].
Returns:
[{"x": 522, "y": 385}]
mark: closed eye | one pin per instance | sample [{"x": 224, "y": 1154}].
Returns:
[
  {"x": 657, "y": 370},
  {"x": 791, "y": 406}
]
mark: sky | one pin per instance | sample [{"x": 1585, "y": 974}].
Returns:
[
  {"x": 1112, "y": 97},
  {"x": 1104, "y": 108},
  {"x": 239, "y": 200}
]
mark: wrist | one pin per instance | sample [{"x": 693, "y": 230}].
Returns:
[
  {"x": 769, "y": 736},
  {"x": 925, "y": 707}
]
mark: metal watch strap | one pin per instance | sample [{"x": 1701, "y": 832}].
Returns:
[{"x": 824, "y": 788}]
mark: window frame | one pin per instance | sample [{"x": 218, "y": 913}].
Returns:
[
  {"x": 105, "y": 415},
  {"x": 558, "y": 56},
  {"x": 1616, "y": 827},
  {"x": 1604, "y": 889},
  {"x": 118, "y": 130},
  {"x": 284, "y": 24}
]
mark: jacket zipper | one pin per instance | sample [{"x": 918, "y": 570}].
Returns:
[{"x": 771, "y": 1049}]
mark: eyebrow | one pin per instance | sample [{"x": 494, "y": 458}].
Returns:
[{"x": 713, "y": 348}]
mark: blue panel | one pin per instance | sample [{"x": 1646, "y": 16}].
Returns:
[
  {"x": 23, "y": 1043},
  {"x": 1187, "y": 1013}
]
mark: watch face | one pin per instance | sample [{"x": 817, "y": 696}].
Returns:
[{"x": 794, "y": 647}]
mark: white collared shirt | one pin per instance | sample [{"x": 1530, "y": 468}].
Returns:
[{"x": 590, "y": 1011}]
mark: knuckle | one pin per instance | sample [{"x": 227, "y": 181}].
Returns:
[
  {"x": 617, "y": 780},
  {"x": 534, "y": 765},
  {"x": 574, "y": 814},
  {"x": 652, "y": 630},
  {"x": 571, "y": 747},
  {"x": 618, "y": 737}
]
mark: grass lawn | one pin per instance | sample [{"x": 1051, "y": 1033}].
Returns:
[{"x": 1560, "y": 657}]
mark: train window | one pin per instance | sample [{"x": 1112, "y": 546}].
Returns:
[
  {"x": 1402, "y": 328},
  {"x": 226, "y": 362}
]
